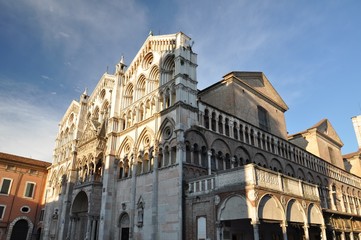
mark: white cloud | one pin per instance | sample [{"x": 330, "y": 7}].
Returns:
[
  {"x": 28, "y": 125},
  {"x": 27, "y": 130}
]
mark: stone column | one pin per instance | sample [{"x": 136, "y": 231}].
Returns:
[
  {"x": 106, "y": 222},
  {"x": 88, "y": 227},
  {"x": 93, "y": 231},
  {"x": 219, "y": 230},
  {"x": 191, "y": 153},
  {"x": 323, "y": 232},
  {"x": 154, "y": 234},
  {"x": 132, "y": 196},
  {"x": 209, "y": 153},
  {"x": 333, "y": 204},
  {"x": 305, "y": 229},
  {"x": 351, "y": 236},
  {"x": 284, "y": 230},
  {"x": 255, "y": 230},
  {"x": 343, "y": 237}
]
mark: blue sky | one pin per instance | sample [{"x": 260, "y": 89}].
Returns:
[{"x": 50, "y": 51}]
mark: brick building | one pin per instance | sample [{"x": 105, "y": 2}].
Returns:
[{"x": 22, "y": 184}]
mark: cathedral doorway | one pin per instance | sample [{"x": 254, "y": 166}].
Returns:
[
  {"x": 240, "y": 229},
  {"x": 124, "y": 227},
  {"x": 80, "y": 216},
  {"x": 20, "y": 230}
]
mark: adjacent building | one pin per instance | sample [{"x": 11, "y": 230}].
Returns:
[
  {"x": 22, "y": 184},
  {"x": 147, "y": 155}
]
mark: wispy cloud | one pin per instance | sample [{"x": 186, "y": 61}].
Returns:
[
  {"x": 28, "y": 124},
  {"x": 26, "y": 129}
]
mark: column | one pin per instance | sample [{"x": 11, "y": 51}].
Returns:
[
  {"x": 219, "y": 230},
  {"x": 351, "y": 236},
  {"x": 333, "y": 206},
  {"x": 88, "y": 227},
  {"x": 71, "y": 225},
  {"x": 343, "y": 237},
  {"x": 255, "y": 225},
  {"x": 323, "y": 232},
  {"x": 209, "y": 153},
  {"x": 191, "y": 153},
  {"x": 305, "y": 229},
  {"x": 93, "y": 231},
  {"x": 284, "y": 230},
  {"x": 154, "y": 234}
]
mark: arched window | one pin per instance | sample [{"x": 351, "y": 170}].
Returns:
[
  {"x": 220, "y": 124},
  {"x": 206, "y": 118}
]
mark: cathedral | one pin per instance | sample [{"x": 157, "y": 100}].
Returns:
[{"x": 147, "y": 155}]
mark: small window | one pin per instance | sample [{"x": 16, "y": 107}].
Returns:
[
  {"x": 25, "y": 209},
  {"x": 42, "y": 215},
  {"x": 29, "y": 190},
  {"x": 2, "y": 211},
  {"x": 5, "y": 186},
  {"x": 263, "y": 118}
]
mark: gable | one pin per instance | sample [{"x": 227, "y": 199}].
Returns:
[
  {"x": 325, "y": 128},
  {"x": 90, "y": 132}
]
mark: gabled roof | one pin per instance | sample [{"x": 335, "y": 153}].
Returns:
[
  {"x": 325, "y": 128},
  {"x": 255, "y": 81}
]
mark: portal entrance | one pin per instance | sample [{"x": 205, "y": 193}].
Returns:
[
  {"x": 124, "y": 227},
  {"x": 269, "y": 230},
  {"x": 80, "y": 216},
  {"x": 295, "y": 231},
  {"x": 20, "y": 230},
  {"x": 240, "y": 229}
]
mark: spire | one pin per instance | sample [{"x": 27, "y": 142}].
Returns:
[
  {"x": 120, "y": 66},
  {"x": 150, "y": 33}
]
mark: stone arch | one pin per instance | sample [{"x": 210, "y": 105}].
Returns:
[
  {"x": 269, "y": 208},
  {"x": 79, "y": 212},
  {"x": 300, "y": 174},
  {"x": 154, "y": 78},
  {"x": 289, "y": 170},
  {"x": 234, "y": 207},
  {"x": 260, "y": 160},
  {"x": 314, "y": 215},
  {"x": 197, "y": 137},
  {"x": 166, "y": 131},
  {"x": 141, "y": 86},
  {"x": 145, "y": 139},
  {"x": 147, "y": 60},
  {"x": 22, "y": 222},
  {"x": 124, "y": 225},
  {"x": 80, "y": 203},
  {"x": 310, "y": 177},
  {"x": 295, "y": 212},
  {"x": 128, "y": 94},
  {"x": 168, "y": 67},
  {"x": 220, "y": 145},
  {"x": 276, "y": 165},
  {"x": 242, "y": 156},
  {"x": 126, "y": 147}
]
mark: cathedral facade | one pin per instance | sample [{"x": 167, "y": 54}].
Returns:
[{"x": 147, "y": 155}]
